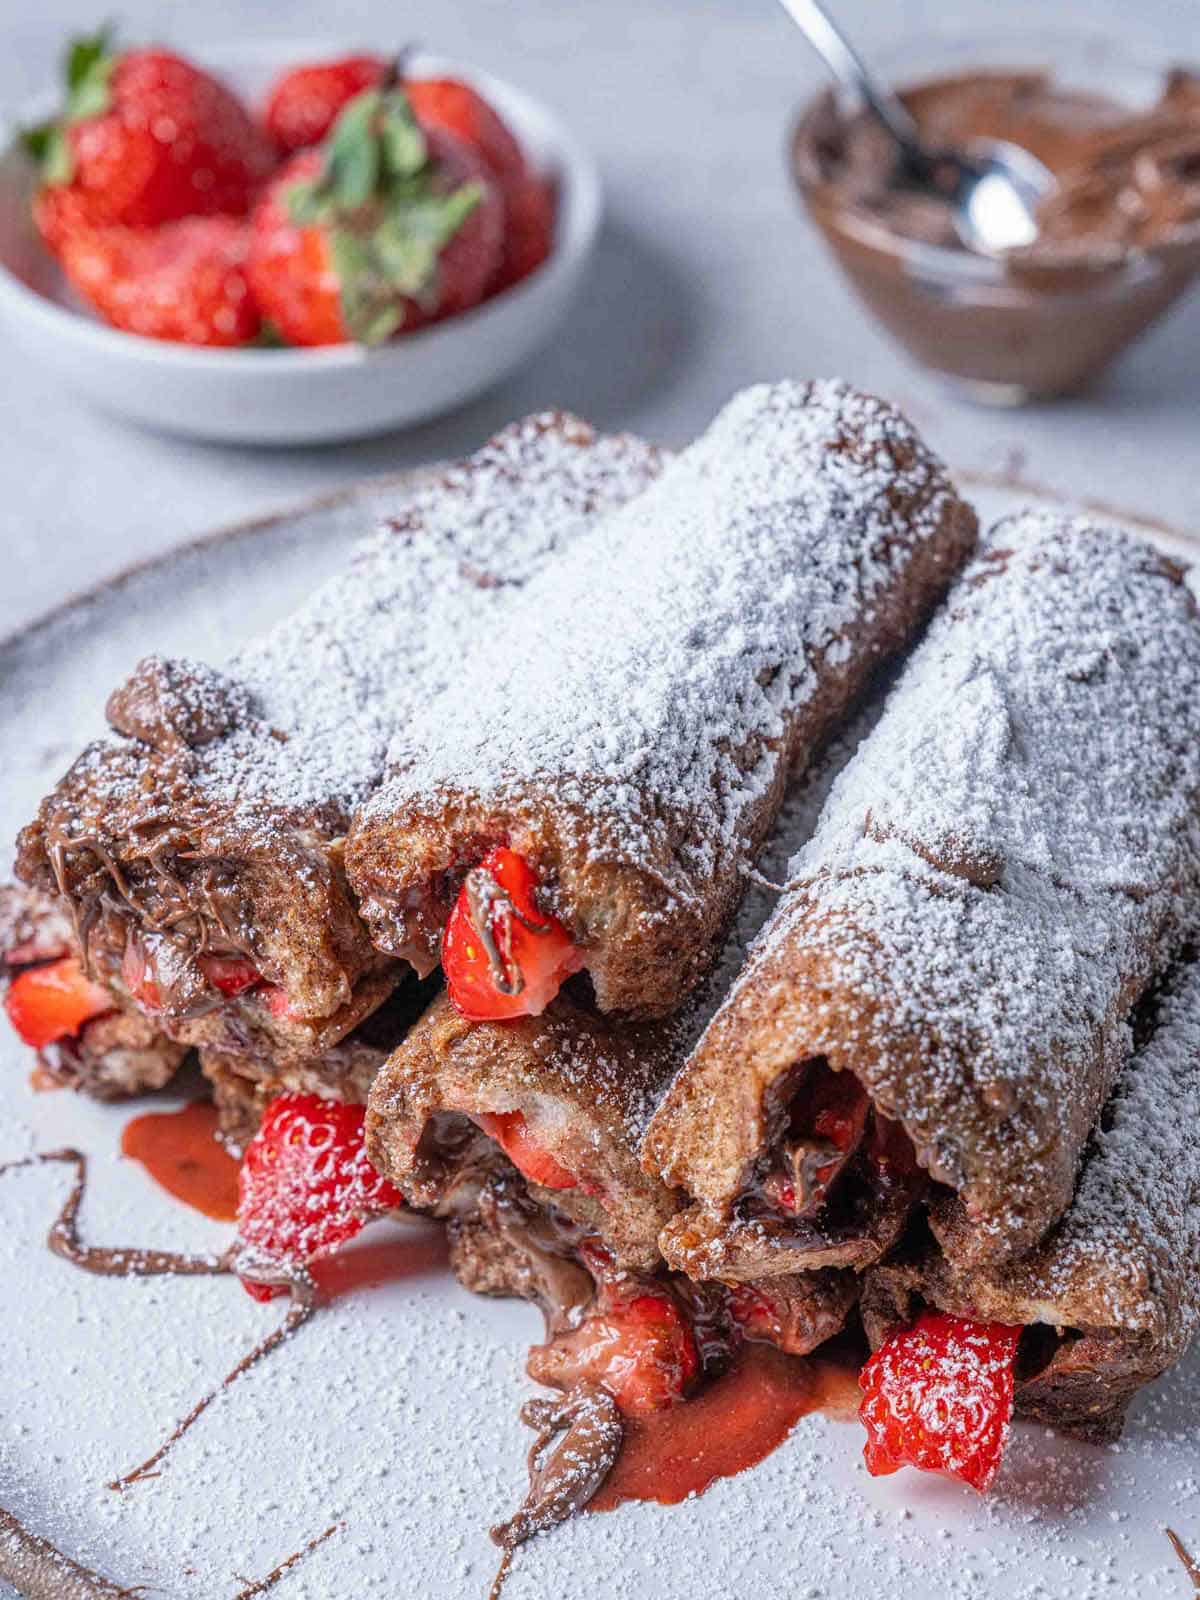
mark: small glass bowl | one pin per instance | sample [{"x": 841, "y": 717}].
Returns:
[{"x": 998, "y": 332}]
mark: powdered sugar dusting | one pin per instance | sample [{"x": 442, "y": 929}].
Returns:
[
  {"x": 1132, "y": 1235},
  {"x": 667, "y": 648},
  {"x": 338, "y": 677},
  {"x": 1015, "y": 853}
]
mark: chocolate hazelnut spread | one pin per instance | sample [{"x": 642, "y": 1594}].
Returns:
[{"x": 1118, "y": 232}]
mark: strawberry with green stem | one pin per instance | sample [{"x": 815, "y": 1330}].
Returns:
[
  {"x": 145, "y": 137},
  {"x": 387, "y": 227}
]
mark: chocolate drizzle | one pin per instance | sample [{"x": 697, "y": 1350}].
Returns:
[
  {"x": 304, "y": 1303},
  {"x": 488, "y": 903},
  {"x": 112, "y": 1261},
  {"x": 109, "y": 1261},
  {"x": 563, "y": 1476},
  {"x": 261, "y": 1585}
]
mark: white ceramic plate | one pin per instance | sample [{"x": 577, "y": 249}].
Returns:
[
  {"x": 300, "y": 396},
  {"x": 394, "y": 1411}
]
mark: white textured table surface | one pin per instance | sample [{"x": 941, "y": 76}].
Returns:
[{"x": 707, "y": 276}]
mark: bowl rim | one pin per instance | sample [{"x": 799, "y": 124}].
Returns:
[
  {"x": 902, "y": 61},
  {"x": 580, "y": 205}
]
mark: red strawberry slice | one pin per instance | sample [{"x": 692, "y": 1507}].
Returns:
[
  {"x": 306, "y": 1185},
  {"x": 639, "y": 1348},
  {"x": 939, "y": 1396},
  {"x": 511, "y": 1133},
  {"x": 277, "y": 1003},
  {"x": 502, "y": 956},
  {"x": 139, "y": 977},
  {"x": 232, "y": 975},
  {"x": 54, "y": 1001},
  {"x": 305, "y": 102}
]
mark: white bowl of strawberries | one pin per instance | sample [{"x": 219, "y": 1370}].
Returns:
[{"x": 262, "y": 251}]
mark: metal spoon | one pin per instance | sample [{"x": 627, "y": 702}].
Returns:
[{"x": 991, "y": 186}]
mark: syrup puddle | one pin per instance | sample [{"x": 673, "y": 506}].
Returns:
[
  {"x": 733, "y": 1424},
  {"x": 181, "y": 1152}
]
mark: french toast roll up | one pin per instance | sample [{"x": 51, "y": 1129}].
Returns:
[
  {"x": 565, "y": 1097},
  {"x": 622, "y": 752},
  {"x": 200, "y": 847},
  {"x": 1110, "y": 1298},
  {"x": 84, "y": 1039},
  {"x": 944, "y": 992}
]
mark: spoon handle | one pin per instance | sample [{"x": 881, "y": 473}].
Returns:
[{"x": 847, "y": 67}]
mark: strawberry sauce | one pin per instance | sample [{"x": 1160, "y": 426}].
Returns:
[
  {"x": 733, "y": 1424},
  {"x": 180, "y": 1151}
]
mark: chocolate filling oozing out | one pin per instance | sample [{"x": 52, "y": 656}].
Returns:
[
  {"x": 504, "y": 1243},
  {"x": 244, "y": 1082},
  {"x": 836, "y": 1178},
  {"x": 566, "y": 1094},
  {"x": 113, "y": 1056}
]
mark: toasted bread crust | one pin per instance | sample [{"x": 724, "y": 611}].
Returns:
[
  {"x": 956, "y": 904},
  {"x": 639, "y": 853},
  {"x": 583, "y": 1087}
]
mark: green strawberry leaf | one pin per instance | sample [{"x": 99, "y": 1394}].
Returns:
[
  {"x": 387, "y": 221},
  {"x": 88, "y": 67},
  {"x": 403, "y": 145},
  {"x": 84, "y": 52},
  {"x": 414, "y": 231},
  {"x": 370, "y": 309}
]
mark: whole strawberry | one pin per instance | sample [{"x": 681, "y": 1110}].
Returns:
[
  {"x": 184, "y": 281},
  {"x": 306, "y": 1185},
  {"x": 385, "y": 228},
  {"x": 456, "y": 108},
  {"x": 146, "y": 137},
  {"x": 306, "y": 101},
  {"x": 530, "y": 236}
]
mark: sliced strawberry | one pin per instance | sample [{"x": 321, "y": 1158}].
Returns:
[
  {"x": 640, "y": 1349},
  {"x": 939, "y": 1396},
  {"x": 232, "y": 975},
  {"x": 511, "y": 1133},
  {"x": 54, "y": 1001},
  {"x": 502, "y": 956},
  {"x": 306, "y": 1185},
  {"x": 139, "y": 977},
  {"x": 277, "y": 1003},
  {"x": 305, "y": 102}
]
